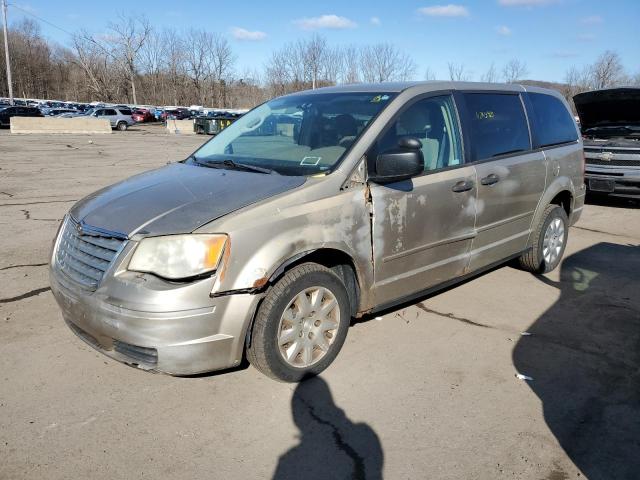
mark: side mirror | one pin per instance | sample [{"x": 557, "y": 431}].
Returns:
[{"x": 400, "y": 163}]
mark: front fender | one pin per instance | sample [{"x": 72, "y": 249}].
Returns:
[{"x": 267, "y": 236}]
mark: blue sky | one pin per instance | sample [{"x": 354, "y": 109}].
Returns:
[{"x": 549, "y": 35}]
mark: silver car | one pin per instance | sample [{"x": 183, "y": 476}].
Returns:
[
  {"x": 311, "y": 210},
  {"x": 610, "y": 122}
]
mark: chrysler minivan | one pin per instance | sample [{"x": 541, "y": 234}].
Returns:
[{"x": 313, "y": 209}]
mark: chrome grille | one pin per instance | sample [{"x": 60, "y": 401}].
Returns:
[
  {"x": 84, "y": 254},
  {"x": 614, "y": 162}
]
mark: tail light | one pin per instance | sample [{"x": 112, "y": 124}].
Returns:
[{"x": 584, "y": 163}]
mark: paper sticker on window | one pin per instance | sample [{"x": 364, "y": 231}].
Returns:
[
  {"x": 379, "y": 98},
  {"x": 310, "y": 161},
  {"x": 485, "y": 115}
]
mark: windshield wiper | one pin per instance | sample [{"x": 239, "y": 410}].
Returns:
[{"x": 231, "y": 165}]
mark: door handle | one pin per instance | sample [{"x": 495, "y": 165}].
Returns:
[
  {"x": 462, "y": 186},
  {"x": 491, "y": 179}
]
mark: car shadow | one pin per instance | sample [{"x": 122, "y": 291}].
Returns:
[
  {"x": 615, "y": 201},
  {"x": 583, "y": 356},
  {"x": 331, "y": 445}
]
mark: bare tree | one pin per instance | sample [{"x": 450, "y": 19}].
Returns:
[
  {"x": 199, "y": 62},
  {"x": 128, "y": 38},
  {"x": 383, "y": 62},
  {"x": 457, "y": 72},
  {"x": 514, "y": 70},
  {"x": 97, "y": 65},
  {"x": 607, "y": 71},
  {"x": 491, "y": 75},
  {"x": 429, "y": 74},
  {"x": 351, "y": 64},
  {"x": 223, "y": 61}
]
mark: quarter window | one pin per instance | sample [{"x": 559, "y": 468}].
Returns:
[
  {"x": 552, "y": 124},
  {"x": 497, "y": 124},
  {"x": 432, "y": 121}
]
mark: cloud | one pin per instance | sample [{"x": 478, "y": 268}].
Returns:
[
  {"x": 525, "y": 3},
  {"x": 450, "y": 10},
  {"x": 503, "y": 30},
  {"x": 243, "y": 34},
  {"x": 332, "y": 22},
  {"x": 591, "y": 20},
  {"x": 375, "y": 21}
]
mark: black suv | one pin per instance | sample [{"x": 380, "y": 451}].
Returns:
[{"x": 16, "y": 111}]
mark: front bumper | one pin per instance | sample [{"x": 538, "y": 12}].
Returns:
[
  {"x": 613, "y": 179},
  {"x": 170, "y": 337}
]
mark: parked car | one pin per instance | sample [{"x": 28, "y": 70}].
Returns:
[
  {"x": 17, "y": 111},
  {"x": 120, "y": 118},
  {"x": 141, "y": 115},
  {"x": 269, "y": 243},
  {"x": 58, "y": 111},
  {"x": 610, "y": 124},
  {"x": 177, "y": 114}
]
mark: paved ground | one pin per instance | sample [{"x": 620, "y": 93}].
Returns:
[{"x": 428, "y": 391}]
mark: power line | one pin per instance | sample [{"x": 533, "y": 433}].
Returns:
[{"x": 13, "y": 5}]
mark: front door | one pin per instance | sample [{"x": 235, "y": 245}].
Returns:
[{"x": 423, "y": 227}]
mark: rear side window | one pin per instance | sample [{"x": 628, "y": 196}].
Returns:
[
  {"x": 550, "y": 120},
  {"x": 109, "y": 112},
  {"x": 497, "y": 125},
  {"x": 125, "y": 111}
]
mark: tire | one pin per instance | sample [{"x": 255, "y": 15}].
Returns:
[
  {"x": 122, "y": 126},
  {"x": 279, "y": 316},
  {"x": 537, "y": 259}
]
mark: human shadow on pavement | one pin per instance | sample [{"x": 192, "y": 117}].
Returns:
[
  {"x": 331, "y": 445},
  {"x": 584, "y": 358}
]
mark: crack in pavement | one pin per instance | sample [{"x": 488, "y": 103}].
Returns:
[
  {"x": 31, "y": 293},
  {"x": 35, "y": 203},
  {"x": 359, "y": 471},
  {"x": 603, "y": 232},
  {"x": 422, "y": 307},
  {"x": 24, "y": 265},
  {"x": 5, "y": 193}
]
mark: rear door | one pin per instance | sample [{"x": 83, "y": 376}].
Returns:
[
  {"x": 111, "y": 115},
  {"x": 422, "y": 227},
  {"x": 511, "y": 177}
]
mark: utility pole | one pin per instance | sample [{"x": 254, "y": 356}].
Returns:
[{"x": 6, "y": 50}]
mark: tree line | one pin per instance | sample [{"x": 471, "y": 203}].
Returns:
[{"x": 134, "y": 62}]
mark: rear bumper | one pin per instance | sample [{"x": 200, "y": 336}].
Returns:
[{"x": 183, "y": 342}]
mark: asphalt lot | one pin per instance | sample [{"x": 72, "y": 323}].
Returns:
[{"x": 427, "y": 391}]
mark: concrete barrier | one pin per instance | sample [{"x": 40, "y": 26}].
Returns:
[
  {"x": 180, "y": 126},
  {"x": 60, "y": 125}
]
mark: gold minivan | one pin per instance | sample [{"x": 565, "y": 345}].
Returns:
[{"x": 310, "y": 210}]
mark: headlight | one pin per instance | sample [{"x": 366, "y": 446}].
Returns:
[{"x": 178, "y": 256}]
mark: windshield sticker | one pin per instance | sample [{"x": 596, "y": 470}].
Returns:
[
  {"x": 380, "y": 98},
  {"x": 313, "y": 161}
]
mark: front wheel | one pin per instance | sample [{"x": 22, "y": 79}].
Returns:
[
  {"x": 122, "y": 126},
  {"x": 301, "y": 324},
  {"x": 549, "y": 241}
]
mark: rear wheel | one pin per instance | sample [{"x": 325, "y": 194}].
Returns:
[
  {"x": 122, "y": 126},
  {"x": 549, "y": 241},
  {"x": 301, "y": 324}
]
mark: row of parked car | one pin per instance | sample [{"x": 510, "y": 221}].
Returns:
[{"x": 121, "y": 117}]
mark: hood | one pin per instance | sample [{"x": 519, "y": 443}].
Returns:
[
  {"x": 177, "y": 198},
  {"x": 614, "y": 106}
]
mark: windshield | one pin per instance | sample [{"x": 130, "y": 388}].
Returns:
[{"x": 302, "y": 134}]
